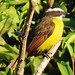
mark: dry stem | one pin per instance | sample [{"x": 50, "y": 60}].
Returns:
[{"x": 23, "y": 38}]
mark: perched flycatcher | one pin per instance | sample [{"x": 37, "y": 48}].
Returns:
[{"x": 47, "y": 33}]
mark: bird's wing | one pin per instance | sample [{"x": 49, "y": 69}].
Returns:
[
  {"x": 42, "y": 31},
  {"x": 36, "y": 42}
]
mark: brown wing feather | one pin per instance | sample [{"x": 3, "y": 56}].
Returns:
[{"x": 36, "y": 42}]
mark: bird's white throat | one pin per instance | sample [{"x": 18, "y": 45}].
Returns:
[{"x": 60, "y": 17}]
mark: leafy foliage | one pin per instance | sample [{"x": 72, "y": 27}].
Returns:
[{"x": 12, "y": 16}]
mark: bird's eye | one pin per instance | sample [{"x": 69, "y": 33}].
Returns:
[{"x": 58, "y": 11}]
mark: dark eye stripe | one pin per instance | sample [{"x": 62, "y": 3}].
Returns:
[{"x": 54, "y": 13}]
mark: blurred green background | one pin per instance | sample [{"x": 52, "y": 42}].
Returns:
[{"x": 12, "y": 16}]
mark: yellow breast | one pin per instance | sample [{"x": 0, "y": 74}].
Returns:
[{"x": 55, "y": 37}]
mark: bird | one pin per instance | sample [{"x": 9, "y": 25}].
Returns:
[{"x": 47, "y": 33}]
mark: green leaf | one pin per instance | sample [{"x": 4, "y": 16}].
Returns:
[
  {"x": 45, "y": 2},
  {"x": 73, "y": 10},
  {"x": 17, "y": 2},
  {"x": 1, "y": 25},
  {"x": 63, "y": 7},
  {"x": 11, "y": 49},
  {"x": 11, "y": 11},
  {"x": 7, "y": 24},
  {"x": 38, "y": 1},
  {"x": 10, "y": 22},
  {"x": 6, "y": 69},
  {"x": 37, "y": 9},
  {"x": 64, "y": 68},
  {"x": 7, "y": 54},
  {"x": 2, "y": 73},
  {"x": 3, "y": 16},
  {"x": 10, "y": 55},
  {"x": 3, "y": 50},
  {"x": 70, "y": 49},
  {"x": 2, "y": 42},
  {"x": 22, "y": 14},
  {"x": 8, "y": 48},
  {"x": 3, "y": 6},
  {"x": 7, "y": 57},
  {"x": 15, "y": 21},
  {"x": 25, "y": 7},
  {"x": 74, "y": 46},
  {"x": 69, "y": 38},
  {"x": 35, "y": 62},
  {"x": 0, "y": 0}
]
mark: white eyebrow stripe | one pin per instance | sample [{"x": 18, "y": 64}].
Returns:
[{"x": 55, "y": 9}]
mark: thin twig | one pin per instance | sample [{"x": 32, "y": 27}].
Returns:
[
  {"x": 73, "y": 61},
  {"x": 23, "y": 38},
  {"x": 46, "y": 59},
  {"x": 73, "y": 65},
  {"x": 17, "y": 32}
]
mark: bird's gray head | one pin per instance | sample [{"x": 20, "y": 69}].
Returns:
[{"x": 55, "y": 12}]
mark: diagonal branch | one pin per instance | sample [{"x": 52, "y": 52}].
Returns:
[
  {"x": 23, "y": 38},
  {"x": 46, "y": 59}
]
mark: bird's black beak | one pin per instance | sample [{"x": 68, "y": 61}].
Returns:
[{"x": 67, "y": 13}]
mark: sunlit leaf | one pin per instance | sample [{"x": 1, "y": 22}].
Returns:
[
  {"x": 38, "y": 1},
  {"x": 2, "y": 42},
  {"x": 69, "y": 38},
  {"x": 73, "y": 10},
  {"x": 22, "y": 14},
  {"x": 2, "y": 73},
  {"x": 11, "y": 55},
  {"x": 7, "y": 54},
  {"x": 35, "y": 63},
  {"x": 37, "y": 9},
  {"x": 17, "y": 2},
  {"x": 11, "y": 11},
  {"x": 64, "y": 68},
  {"x": 3, "y": 50},
  {"x": 3, "y": 6},
  {"x": 64, "y": 7},
  {"x": 25, "y": 7},
  {"x": 7, "y": 57},
  {"x": 45, "y": 2},
  {"x": 3, "y": 16},
  {"x": 2, "y": 24},
  {"x": 70, "y": 49},
  {"x": 6, "y": 25},
  {"x": 11, "y": 49}
]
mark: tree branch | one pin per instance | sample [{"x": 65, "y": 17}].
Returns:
[
  {"x": 46, "y": 59},
  {"x": 23, "y": 38}
]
